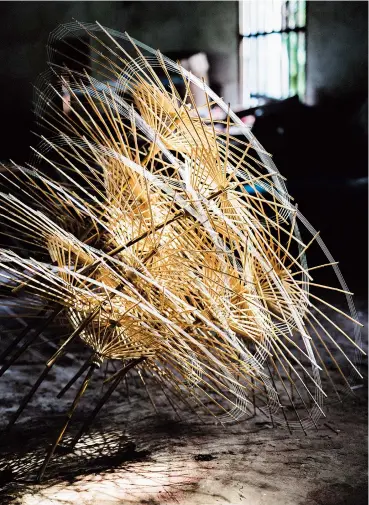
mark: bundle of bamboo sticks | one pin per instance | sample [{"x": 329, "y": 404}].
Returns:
[{"x": 135, "y": 220}]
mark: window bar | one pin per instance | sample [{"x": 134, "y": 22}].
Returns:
[
  {"x": 266, "y": 67},
  {"x": 284, "y": 9},
  {"x": 301, "y": 62},
  {"x": 283, "y": 65},
  {"x": 285, "y": 25},
  {"x": 298, "y": 65}
]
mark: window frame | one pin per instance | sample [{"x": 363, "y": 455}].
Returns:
[{"x": 258, "y": 34}]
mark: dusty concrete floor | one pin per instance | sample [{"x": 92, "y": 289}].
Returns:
[
  {"x": 178, "y": 463},
  {"x": 134, "y": 455}
]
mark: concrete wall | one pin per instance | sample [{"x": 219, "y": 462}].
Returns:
[
  {"x": 337, "y": 49},
  {"x": 170, "y": 26},
  {"x": 189, "y": 26},
  {"x": 336, "y": 41},
  {"x": 24, "y": 29}
]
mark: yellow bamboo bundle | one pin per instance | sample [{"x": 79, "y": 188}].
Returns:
[{"x": 167, "y": 244}]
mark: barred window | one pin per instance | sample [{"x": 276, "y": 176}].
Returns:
[{"x": 272, "y": 50}]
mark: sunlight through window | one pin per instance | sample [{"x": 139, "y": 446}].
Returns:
[{"x": 273, "y": 50}]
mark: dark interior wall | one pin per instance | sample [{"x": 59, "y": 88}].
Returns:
[
  {"x": 189, "y": 26},
  {"x": 170, "y": 26},
  {"x": 25, "y": 27},
  {"x": 337, "y": 49}
]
